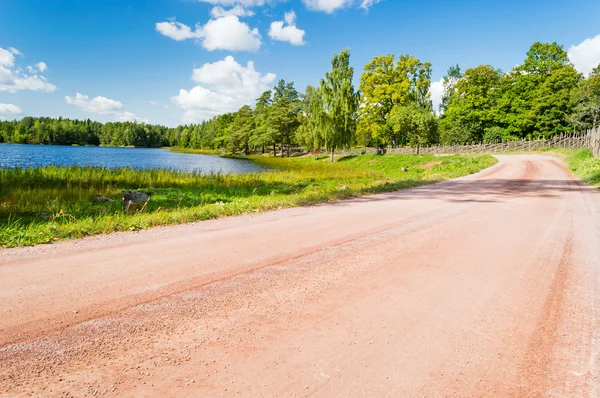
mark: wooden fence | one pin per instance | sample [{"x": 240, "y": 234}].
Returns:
[{"x": 589, "y": 139}]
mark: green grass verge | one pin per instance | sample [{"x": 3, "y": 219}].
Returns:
[
  {"x": 42, "y": 205},
  {"x": 582, "y": 163}
]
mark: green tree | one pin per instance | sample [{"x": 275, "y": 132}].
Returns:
[
  {"x": 313, "y": 120},
  {"x": 417, "y": 125},
  {"x": 586, "y": 97},
  {"x": 283, "y": 114},
  {"x": 544, "y": 58},
  {"x": 386, "y": 83},
  {"x": 470, "y": 112},
  {"x": 340, "y": 104},
  {"x": 240, "y": 130},
  {"x": 264, "y": 134}
]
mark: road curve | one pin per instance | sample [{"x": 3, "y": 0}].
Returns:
[{"x": 488, "y": 285}]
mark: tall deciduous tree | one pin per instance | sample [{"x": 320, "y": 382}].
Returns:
[
  {"x": 339, "y": 103},
  {"x": 386, "y": 83}
]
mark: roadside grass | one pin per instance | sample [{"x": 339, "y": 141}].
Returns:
[
  {"x": 582, "y": 163},
  {"x": 41, "y": 205}
]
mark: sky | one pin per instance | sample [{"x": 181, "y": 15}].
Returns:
[{"x": 172, "y": 62}]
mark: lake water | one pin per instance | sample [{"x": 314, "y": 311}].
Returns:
[{"x": 17, "y": 155}]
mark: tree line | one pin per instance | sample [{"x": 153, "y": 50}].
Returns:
[
  {"x": 544, "y": 95},
  {"x": 59, "y": 131}
]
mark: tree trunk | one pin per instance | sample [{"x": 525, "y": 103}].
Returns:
[
  {"x": 274, "y": 151},
  {"x": 288, "y": 148},
  {"x": 332, "y": 151},
  {"x": 282, "y": 149},
  {"x": 263, "y": 149},
  {"x": 246, "y": 149},
  {"x": 418, "y": 148}
]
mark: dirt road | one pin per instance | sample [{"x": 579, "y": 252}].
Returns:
[{"x": 483, "y": 286}]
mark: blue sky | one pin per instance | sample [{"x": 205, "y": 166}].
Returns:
[{"x": 174, "y": 61}]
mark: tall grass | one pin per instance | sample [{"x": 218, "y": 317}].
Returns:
[
  {"x": 40, "y": 205},
  {"x": 583, "y": 164}
]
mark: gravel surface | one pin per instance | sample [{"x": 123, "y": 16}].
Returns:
[{"x": 488, "y": 285}]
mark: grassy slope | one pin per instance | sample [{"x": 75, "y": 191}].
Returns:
[
  {"x": 583, "y": 164},
  {"x": 64, "y": 197}
]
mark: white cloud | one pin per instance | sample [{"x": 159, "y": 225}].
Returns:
[
  {"x": 238, "y": 11},
  {"x": 223, "y": 86},
  {"x": 152, "y": 102},
  {"x": 177, "y": 31},
  {"x": 586, "y": 55},
  {"x": 6, "y": 57},
  {"x": 437, "y": 91},
  {"x": 12, "y": 78},
  {"x": 229, "y": 33},
  {"x": 102, "y": 106},
  {"x": 42, "y": 67},
  {"x": 327, "y": 6},
  {"x": 10, "y": 109},
  {"x": 366, "y": 4},
  {"x": 224, "y": 33},
  {"x": 289, "y": 33}
]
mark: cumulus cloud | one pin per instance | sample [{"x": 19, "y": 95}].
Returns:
[
  {"x": 10, "y": 109},
  {"x": 102, "y": 106},
  {"x": 586, "y": 55},
  {"x": 437, "y": 91},
  {"x": 239, "y": 11},
  {"x": 13, "y": 79},
  {"x": 289, "y": 33},
  {"x": 229, "y": 33},
  {"x": 223, "y": 86},
  {"x": 327, "y": 6},
  {"x": 223, "y": 33}
]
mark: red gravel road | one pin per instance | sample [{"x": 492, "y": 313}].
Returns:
[{"x": 483, "y": 286}]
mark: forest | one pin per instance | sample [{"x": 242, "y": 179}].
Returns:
[{"x": 392, "y": 106}]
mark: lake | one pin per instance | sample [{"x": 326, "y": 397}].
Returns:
[{"x": 20, "y": 155}]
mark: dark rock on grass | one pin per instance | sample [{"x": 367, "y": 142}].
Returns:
[
  {"x": 135, "y": 196},
  {"x": 133, "y": 200}
]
